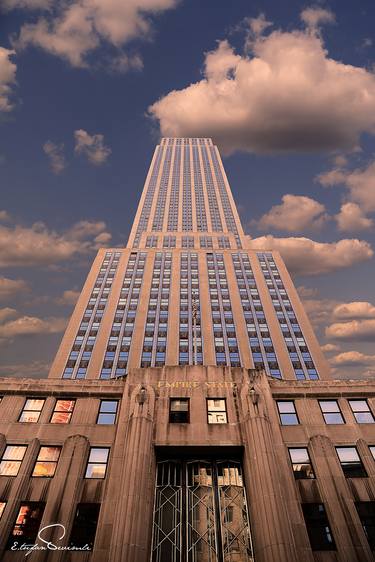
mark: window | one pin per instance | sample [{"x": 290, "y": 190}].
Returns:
[
  {"x": 216, "y": 410},
  {"x": 301, "y": 463},
  {"x": 287, "y": 412},
  {"x": 26, "y": 526},
  {"x": 46, "y": 462},
  {"x": 62, "y": 412},
  {"x": 107, "y": 412},
  {"x": 179, "y": 410},
  {"x": 84, "y": 525},
  {"x": 12, "y": 459},
  {"x": 318, "y": 528},
  {"x": 350, "y": 462},
  {"x": 2, "y": 507},
  {"x": 331, "y": 411},
  {"x": 97, "y": 463},
  {"x": 31, "y": 410},
  {"x": 366, "y": 512},
  {"x": 372, "y": 451},
  {"x": 361, "y": 411}
]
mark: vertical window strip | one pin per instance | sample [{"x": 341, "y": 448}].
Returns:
[
  {"x": 155, "y": 338},
  {"x": 224, "y": 331},
  {"x": 211, "y": 193},
  {"x": 189, "y": 308},
  {"x": 228, "y": 211},
  {"x": 147, "y": 204},
  {"x": 80, "y": 354},
  {"x": 199, "y": 195},
  {"x": 261, "y": 345},
  {"x": 299, "y": 354},
  {"x": 187, "y": 218},
  {"x": 175, "y": 192},
  {"x": 115, "y": 362},
  {"x": 157, "y": 224}
]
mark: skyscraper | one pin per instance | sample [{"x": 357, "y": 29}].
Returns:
[
  {"x": 187, "y": 250},
  {"x": 189, "y": 415}
]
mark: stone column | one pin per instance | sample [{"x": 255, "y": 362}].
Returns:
[
  {"x": 131, "y": 536},
  {"x": 351, "y": 543},
  {"x": 267, "y": 493}
]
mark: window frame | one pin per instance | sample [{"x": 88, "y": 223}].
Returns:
[
  {"x": 368, "y": 411},
  {"x": 322, "y": 523},
  {"x": 78, "y": 522},
  {"x": 24, "y": 410},
  {"x": 332, "y": 412},
  {"x": 41, "y": 461},
  {"x": 19, "y": 461},
  {"x": 293, "y": 463},
  {"x": 170, "y": 411},
  {"x": 54, "y": 411},
  {"x": 295, "y": 413},
  {"x": 225, "y": 411},
  {"x": 88, "y": 463},
  {"x": 362, "y": 473},
  {"x": 103, "y": 400}
]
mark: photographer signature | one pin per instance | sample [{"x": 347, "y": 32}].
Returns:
[{"x": 46, "y": 544}]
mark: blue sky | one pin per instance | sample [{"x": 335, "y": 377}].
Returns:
[{"x": 287, "y": 90}]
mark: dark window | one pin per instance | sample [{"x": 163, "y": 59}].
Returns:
[
  {"x": 350, "y": 462},
  {"x": 26, "y": 526},
  {"x": 301, "y": 463},
  {"x": 107, "y": 412},
  {"x": 287, "y": 412},
  {"x": 318, "y": 528},
  {"x": 84, "y": 525},
  {"x": 331, "y": 411},
  {"x": 179, "y": 410},
  {"x": 62, "y": 412},
  {"x": 366, "y": 512},
  {"x": 361, "y": 411}
]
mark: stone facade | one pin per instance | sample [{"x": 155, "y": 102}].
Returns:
[{"x": 142, "y": 433}]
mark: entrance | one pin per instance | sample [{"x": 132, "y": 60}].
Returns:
[{"x": 200, "y": 512}]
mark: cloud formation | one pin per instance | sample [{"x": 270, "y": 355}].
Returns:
[
  {"x": 12, "y": 287},
  {"x": 351, "y": 218},
  {"x": 73, "y": 30},
  {"x": 304, "y": 256},
  {"x": 287, "y": 95},
  {"x": 39, "y": 246},
  {"x": 7, "y": 79},
  {"x": 31, "y": 325},
  {"x": 355, "y": 330},
  {"x": 314, "y": 16},
  {"x": 354, "y": 310},
  {"x": 92, "y": 146},
  {"x": 295, "y": 214},
  {"x": 55, "y": 153},
  {"x": 33, "y": 369},
  {"x": 353, "y": 359}
]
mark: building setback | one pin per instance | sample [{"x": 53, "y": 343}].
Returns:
[{"x": 189, "y": 414}]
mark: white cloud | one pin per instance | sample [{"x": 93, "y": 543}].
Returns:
[
  {"x": 55, "y": 153},
  {"x": 353, "y": 359},
  {"x": 68, "y": 297},
  {"x": 330, "y": 348},
  {"x": 31, "y": 325},
  {"x": 304, "y": 256},
  {"x": 295, "y": 214},
  {"x": 11, "y": 287},
  {"x": 351, "y": 218},
  {"x": 73, "y": 30},
  {"x": 319, "y": 311},
  {"x": 258, "y": 25},
  {"x": 360, "y": 184},
  {"x": 356, "y": 330},
  {"x": 354, "y": 310},
  {"x": 7, "y": 5},
  {"x": 91, "y": 146},
  {"x": 314, "y": 16},
  {"x": 7, "y": 79},
  {"x": 288, "y": 95},
  {"x": 38, "y": 246}
]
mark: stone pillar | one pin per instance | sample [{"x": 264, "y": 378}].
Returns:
[
  {"x": 131, "y": 536},
  {"x": 351, "y": 543},
  {"x": 268, "y": 498}
]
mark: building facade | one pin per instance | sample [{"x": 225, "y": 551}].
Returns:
[{"x": 189, "y": 414}]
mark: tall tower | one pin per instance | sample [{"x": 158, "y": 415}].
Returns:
[{"x": 188, "y": 288}]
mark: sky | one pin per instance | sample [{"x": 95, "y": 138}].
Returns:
[{"x": 285, "y": 89}]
